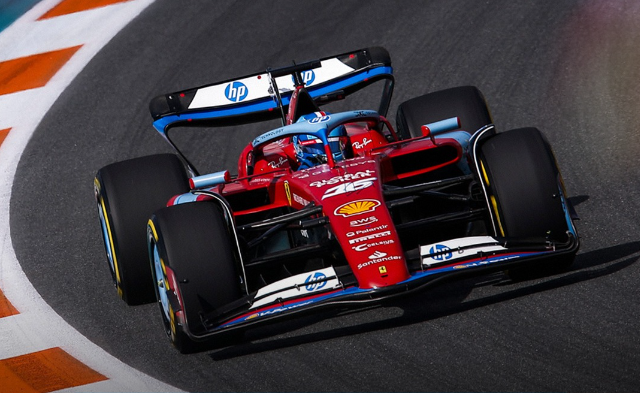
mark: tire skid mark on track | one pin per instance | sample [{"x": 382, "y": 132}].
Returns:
[{"x": 42, "y": 52}]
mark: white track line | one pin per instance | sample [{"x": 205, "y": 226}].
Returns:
[{"x": 37, "y": 326}]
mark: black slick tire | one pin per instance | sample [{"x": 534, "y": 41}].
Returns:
[
  {"x": 465, "y": 102},
  {"x": 525, "y": 188},
  {"x": 127, "y": 193},
  {"x": 194, "y": 242}
]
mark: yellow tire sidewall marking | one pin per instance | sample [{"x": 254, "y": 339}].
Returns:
[{"x": 110, "y": 235}]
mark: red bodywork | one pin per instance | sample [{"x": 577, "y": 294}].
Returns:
[{"x": 350, "y": 193}]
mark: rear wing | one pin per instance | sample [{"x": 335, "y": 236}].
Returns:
[{"x": 252, "y": 98}]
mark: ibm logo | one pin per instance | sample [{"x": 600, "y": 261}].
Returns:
[{"x": 236, "y": 91}]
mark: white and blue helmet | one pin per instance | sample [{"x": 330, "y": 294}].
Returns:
[{"x": 309, "y": 149}]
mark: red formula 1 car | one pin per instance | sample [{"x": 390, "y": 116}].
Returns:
[{"x": 330, "y": 208}]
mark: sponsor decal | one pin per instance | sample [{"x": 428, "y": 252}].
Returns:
[
  {"x": 366, "y": 246},
  {"x": 368, "y": 230},
  {"x": 363, "y": 221},
  {"x": 319, "y": 119},
  {"x": 281, "y": 309},
  {"x": 300, "y": 284},
  {"x": 321, "y": 169},
  {"x": 236, "y": 91},
  {"x": 268, "y": 135},
  {"x": 315, "y": 281},
  {"x": 361, "y": 145},
  {"x": 277, "y": 164},
  {"x": 357, "y": 207},
  {"x": 365, "y": 113},
  {"x": 311, "y": 141},
  {"x": 358, "y": 163},
  {"x": 300, "y": 175},
  {"x": 348, "y": 187},
  {"x": 261, "y": 180},
  {"x": 287, "y": 191},
  {"x": 369, "y": 237},
  {"x": 451, "y": 250},
  {"x": 378, "y": 260},
  {"x": 377, "y": 254},
  {"x": 307, "y": 77},
  {"x": 300, "y": 200},
  {"x": 342, "y": 178},
  {"x": 486, "y": 262},
  {"x": 442, "y": 252}
]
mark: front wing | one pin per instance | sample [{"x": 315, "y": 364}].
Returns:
[{"x": 437, "y": 263}]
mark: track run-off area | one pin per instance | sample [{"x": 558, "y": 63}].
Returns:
[{"x": 40, "y": 54}]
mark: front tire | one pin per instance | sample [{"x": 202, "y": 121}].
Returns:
[
  {"x": 194, "y": 266},
  {"x": 526, "y": 193},
  {"x": 127, "y": 193}
]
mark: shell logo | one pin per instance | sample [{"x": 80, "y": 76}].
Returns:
[{"x": 357, "y": 207}]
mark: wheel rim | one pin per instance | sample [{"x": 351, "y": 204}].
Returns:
[
  {"x": 161, "y": 284},
  {"x": 108, "y": 243}
]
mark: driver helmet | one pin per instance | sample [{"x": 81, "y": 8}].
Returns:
[{"x": 309, "y": 149}]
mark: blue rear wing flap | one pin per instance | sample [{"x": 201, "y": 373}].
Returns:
[{"x": 251, "y": 98}]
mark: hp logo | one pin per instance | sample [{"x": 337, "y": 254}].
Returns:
[
  {"x": 236, "y": 91},
  {"x": 307, "y": 77},
  {"x": 320, "y": 119},
  {"x": 312, "y": 284},
  {"x": 446, "y": 252}
]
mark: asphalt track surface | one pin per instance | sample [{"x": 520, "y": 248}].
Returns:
[{"x": 568, "y": 68}]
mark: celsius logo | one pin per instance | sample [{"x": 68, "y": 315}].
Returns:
[
  {"x": 444, "y": 250},
  {"x": 236, "y": 91},
  {"x": 307, "y": 77},
  {"x": 315, "y": 281}
]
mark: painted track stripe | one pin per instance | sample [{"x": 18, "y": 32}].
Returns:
[
  {"x": 3, "y": 134},
  {"x": 30, "y": 331},
  {"x": 45, "y": 371},
  {"x": 6, "y": 308},
  {"x": 66, "y": 7},
  {"x": 33, "y": 71}
]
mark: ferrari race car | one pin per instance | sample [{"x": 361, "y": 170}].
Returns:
[{"x": 329, "y": 208}]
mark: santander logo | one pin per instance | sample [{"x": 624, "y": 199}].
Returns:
[{"x": 377, "y": 255}]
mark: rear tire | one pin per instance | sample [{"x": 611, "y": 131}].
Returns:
[
  {"x": 127, "y": 193},
  {"x": 193, "y": 242},
  {"x": 525, "y": 186},
  {"x": 465, "y": 102}
]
